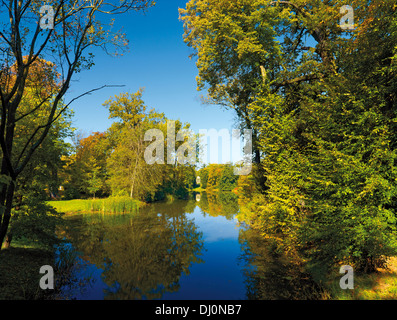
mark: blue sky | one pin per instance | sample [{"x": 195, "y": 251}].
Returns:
[{"x": 158, "y": 60}]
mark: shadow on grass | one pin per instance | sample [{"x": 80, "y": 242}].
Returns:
[
  {"x": 380, "y": 285},
  {"x": 20, "y": 273}
]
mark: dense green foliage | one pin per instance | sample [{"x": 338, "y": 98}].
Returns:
[
  {"x": 32, "y": 219},
  {"x": 218, "y": 176},
  {"x": 322, "y": 102}
]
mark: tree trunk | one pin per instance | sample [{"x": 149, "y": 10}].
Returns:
[
  {"x": 7, "y": 242},
  {"x": 9, "y": 195}
]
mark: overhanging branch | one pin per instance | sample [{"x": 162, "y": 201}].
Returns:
[{"x": 47, "y": 126}]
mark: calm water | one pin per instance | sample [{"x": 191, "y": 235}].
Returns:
[{"x": 180, "y": 250}]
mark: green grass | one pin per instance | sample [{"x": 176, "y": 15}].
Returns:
[
  {"x": 381, "y": 285},
  {"x": 108, "y": 205}
]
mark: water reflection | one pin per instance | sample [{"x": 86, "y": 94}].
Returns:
[
  {"x": 219, "y": 204},
  {"x": 270, "y": 276},
  {"x": 143, "y": 254},
  {"x": 181, "y": 250}
]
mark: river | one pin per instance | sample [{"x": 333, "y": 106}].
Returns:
[{"x": 185, "y": 249}]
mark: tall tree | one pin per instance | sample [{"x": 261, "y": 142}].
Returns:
[
  {"x": 129, "y": 169},
  {"x": 126, "y": 164},
  {"x": 32, "y": 218},
  {"x": 322, "y": 100}
]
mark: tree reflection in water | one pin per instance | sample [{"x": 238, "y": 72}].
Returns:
[
  {"x": 219, "y": 204},
  {"x": 270, "y": 276},
  {"x": 267, "y": 276},
  {"x": 143, "y": 254}
]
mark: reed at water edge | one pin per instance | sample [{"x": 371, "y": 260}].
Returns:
[{"x": 107, "y": 205}]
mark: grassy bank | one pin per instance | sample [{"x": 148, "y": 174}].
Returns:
[
  {"x": 108, "y": 205},
  {"x": 380, "y": 285}
]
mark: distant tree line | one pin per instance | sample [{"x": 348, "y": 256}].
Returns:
[{"x": 218, "y": 176}]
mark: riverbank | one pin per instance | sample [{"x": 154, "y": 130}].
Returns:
[
  {"x": 380, "y": 285},
  {"x": 107, "y": 205}
]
